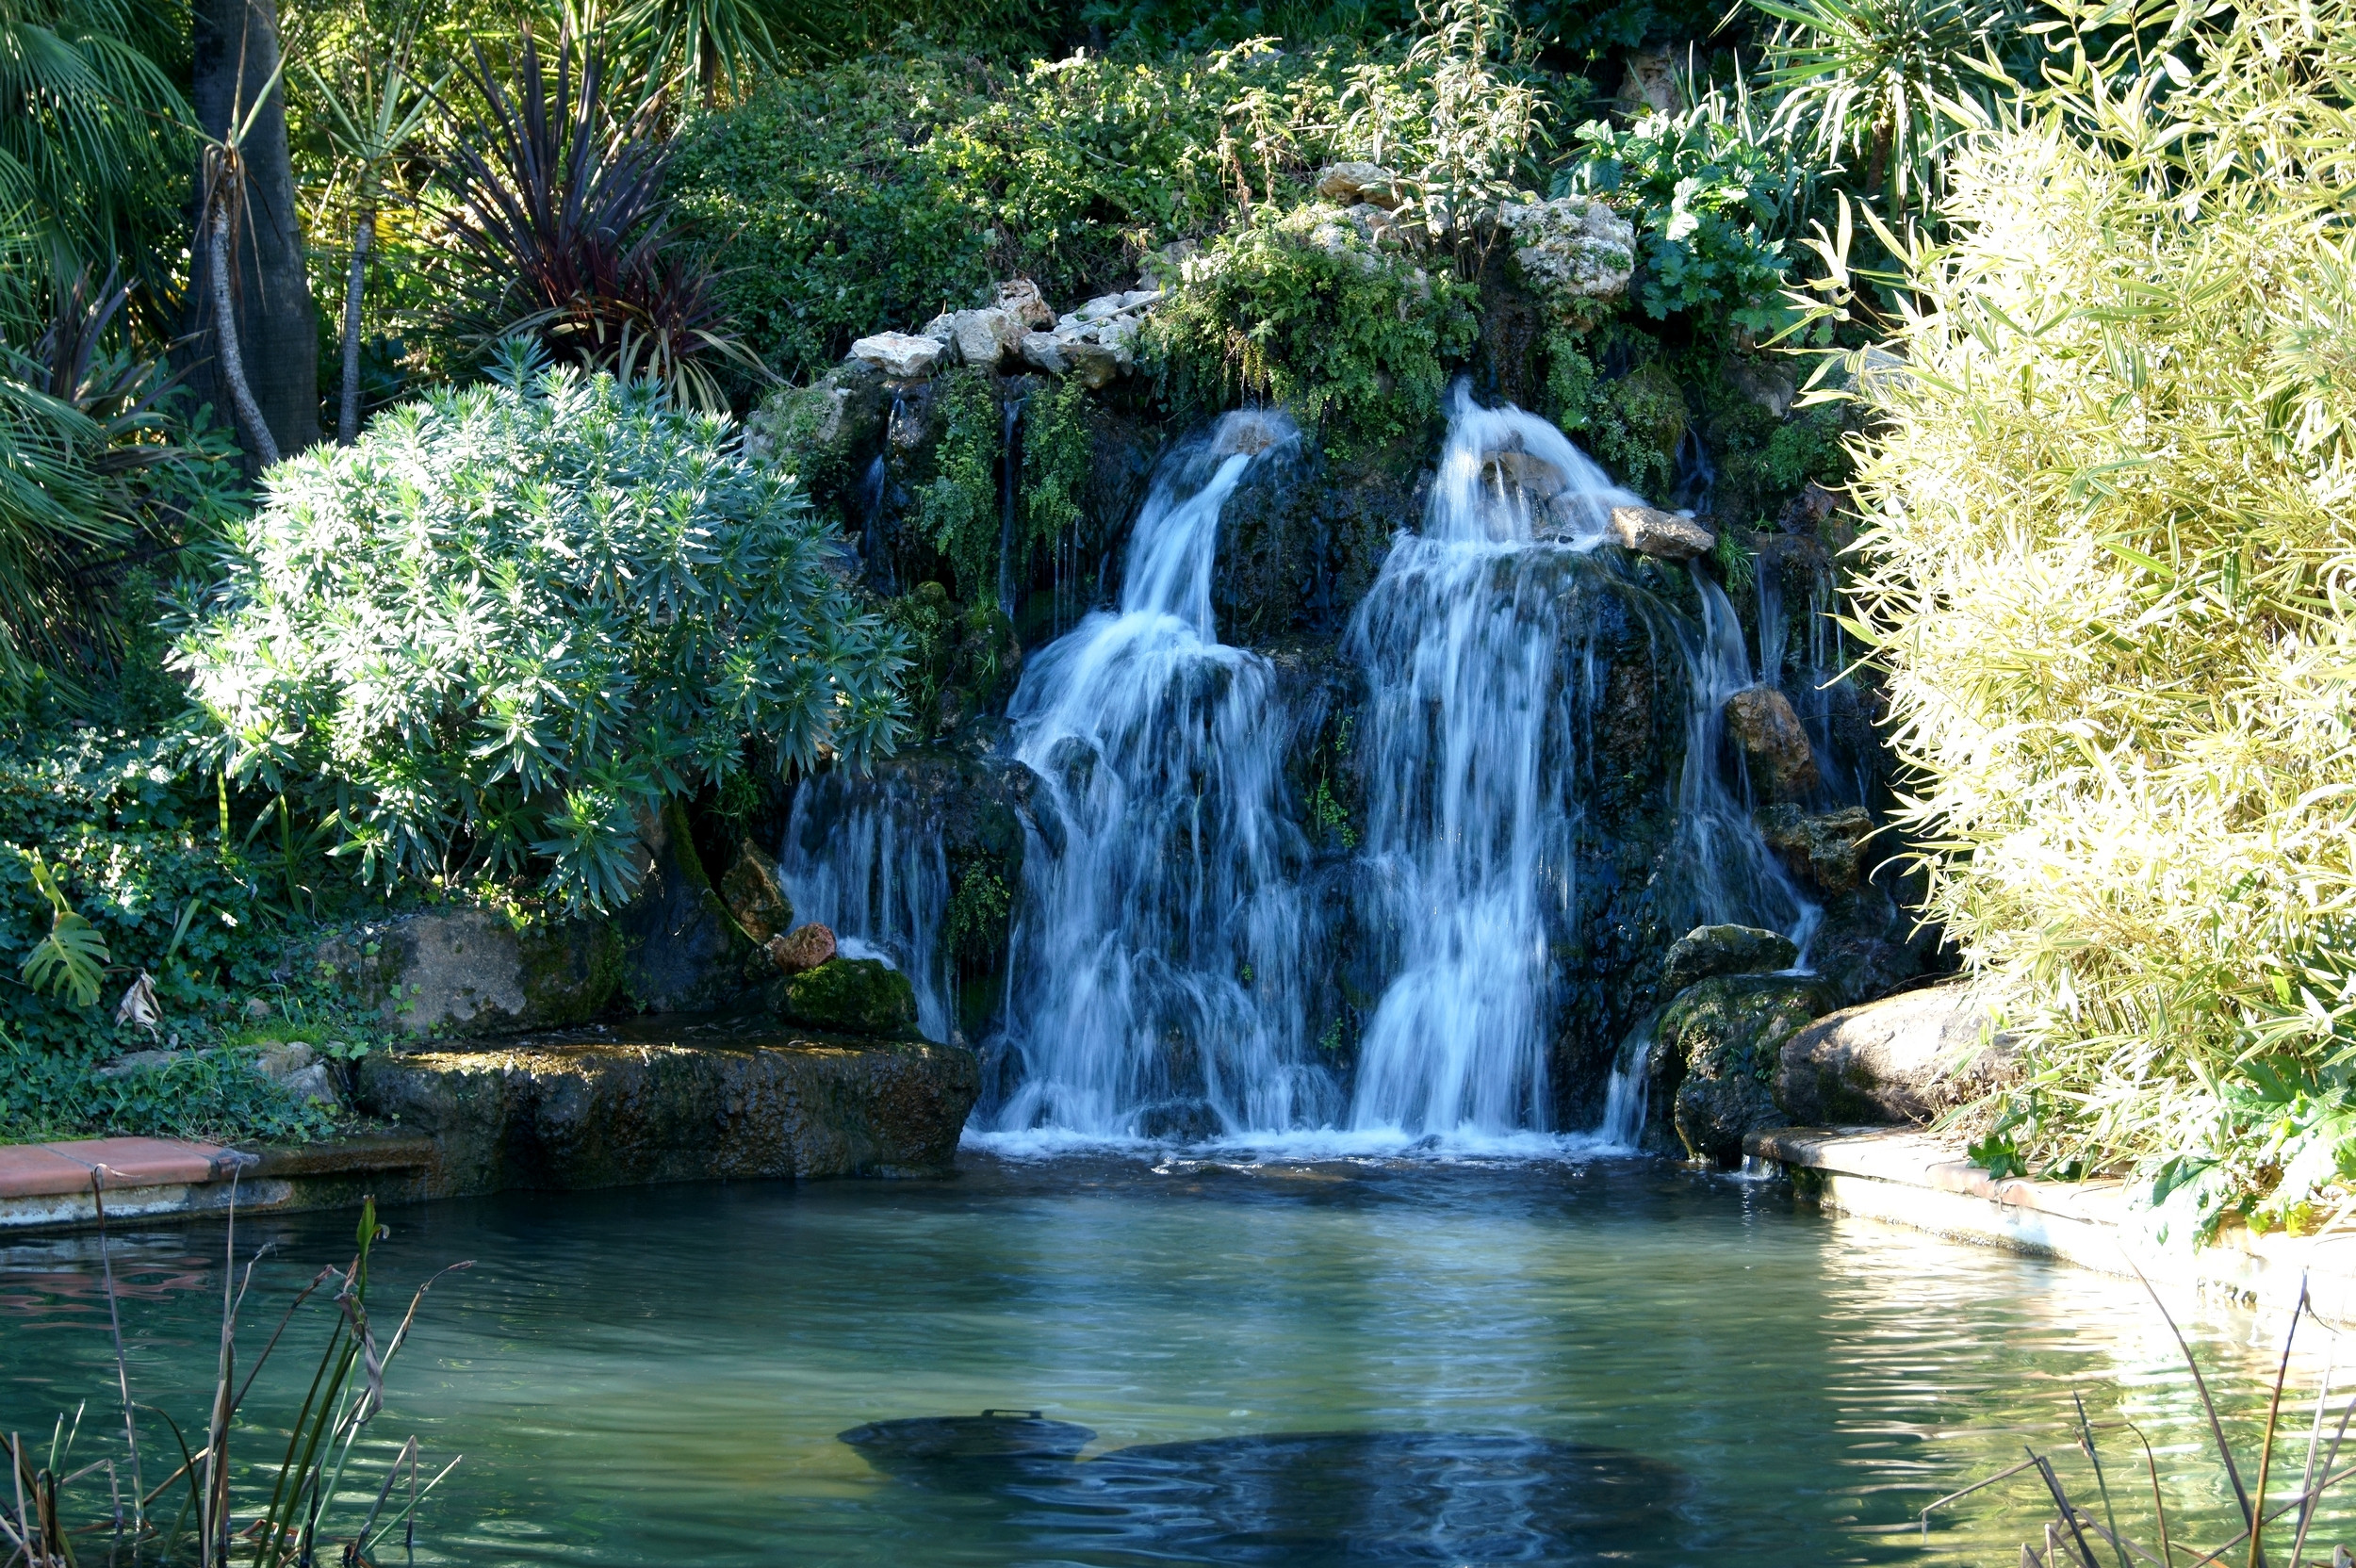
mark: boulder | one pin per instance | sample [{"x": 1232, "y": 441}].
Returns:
[
  {"x": 1904, "y": 1058},
  {"x": 750, "y": 889},
  {"x": 1020, "y": 299},
  {"x": 848, "y": 996},
  {"x": 1763, "y": 723},
  {"x": 1572, "y": 247},
  {"x": 671, "y": 1100},
  {"x": 1352, "y": 181},
  {"x": 1826, "y": 848},
  {"x": 983, "y": 337},
  {"x": 1082, "y": 352},
  {"x": 1708, "y": 950},
  {"x": 898, "y": 354},
  {"x": 475, "y": 970},
  {"x": 1719, "y": 1047},
  {"x": 1649, "y": 530},
  {"x": 805, "y": 947}
]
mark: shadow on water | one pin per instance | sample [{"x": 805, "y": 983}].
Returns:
[{"x": 1300, "y": 1499}]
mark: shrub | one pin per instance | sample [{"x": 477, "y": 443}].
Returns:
[
  {"x": 2110, "y": 578},
  {"x": 512, "y": 619},
  {"x": 1304, "y": 309}
]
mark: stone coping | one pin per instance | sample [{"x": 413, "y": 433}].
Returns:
[
  {"x": 52, "y": 1169},
  {"x": 1909, "y": 1176}
]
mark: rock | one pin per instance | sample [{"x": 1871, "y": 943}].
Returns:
[
  {"x": 277, "y": 1062},
  {"x": 1351, "y": 182},
  {"x": 1719, "y": 1045},
  {"x": 1904, "y": 1058},
  {"x": 1571, "y": 247},
  {"x": 655, "y": 1101},
  {"x": 131, "y": 1064},
  {"x": 1649, "y": 530},
  {"x": 1811, "y": 507},
  {"x": 750, "y": 889},
  {"x": 1708, "y": 950},
  {"x": 805, "y": 947},
  {"x": 983, "y": 337},
  {"x": 848, "y": 996},
  {"x": 1081, "y": 352},
  {"x": 1764, "y": 386},
  {"x": 898, "y": 354},
  {"x": 1020, "y": 299},
  {"x": 1763, "y": 723},
  {"x": 472, "y": 969},
  {"x": 683, "y": 951},
  {"x": 1648, "y": 83},
  {"x": 1827, "y": 848},
  {"x": 312, "y": 1085}
]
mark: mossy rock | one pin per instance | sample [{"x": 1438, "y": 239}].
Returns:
[
  {"x": 848, "y": 996},
  {"x": 1720, "y": 1044}
]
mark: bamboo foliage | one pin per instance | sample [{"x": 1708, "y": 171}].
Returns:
[{"x": 2111, "y": 575}]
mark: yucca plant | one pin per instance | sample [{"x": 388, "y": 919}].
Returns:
[
  {"x": 2111, "y": 576},
  {"x": 558, "y": 209},
  {"x": 1885, "y": 83}
]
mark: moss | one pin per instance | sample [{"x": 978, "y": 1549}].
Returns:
[
  {"x": 848, "y": 996},
  {"x": 572, "y": 970}
]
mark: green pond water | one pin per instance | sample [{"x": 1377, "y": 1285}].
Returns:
[{"x": 1558, "y": 1361}]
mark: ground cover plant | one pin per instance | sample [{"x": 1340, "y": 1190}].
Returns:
[{"x": 2109, "y": 577}]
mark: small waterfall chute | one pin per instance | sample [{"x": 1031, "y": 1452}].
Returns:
[
  {"x": 1155, "y": 975},
  {"x": 863, "y": 856}
]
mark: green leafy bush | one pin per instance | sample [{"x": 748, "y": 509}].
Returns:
[
  {"x": 1304, "y": 309},
  {"x": 2110, "y": 578},
  {"x": 512, "y": 619},
  {"x": 1710, "y": 198},
  {"x": 957, "y": 513}
]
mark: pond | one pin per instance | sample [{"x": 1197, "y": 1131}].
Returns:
[{"x": 1557, "y": 1360}]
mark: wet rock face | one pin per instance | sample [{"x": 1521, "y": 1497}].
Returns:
[
  {"x": 1708, "y": 950},
  {"x": 1763, "y": 723},
  {"x": 1827, "y": 849},
  {"x": 1716, "y": 1052},
  {"x": 848, "y": 996},
  {"x": 749, "y": 888},
  {"x": 683, "y": 951},
  {"x": 673, "y": 1099},
  {"x": 1649, "y": 530},
  {"x": 1904, "y": 1058}
]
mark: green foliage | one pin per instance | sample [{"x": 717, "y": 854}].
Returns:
[
  {"x": 1631, "y": 425},
  {"x": 957, "y": 513},
  {"x": 512, "y": 619},
  {"x": 1304, "y": 309},
  {"x": 978, "y": 910},
  {"x": 2109, "y": 580},
  {"x": 72, "y": 959},
  {"x": 1058, "y": 458},
  {"x": 1709, "y": 196}
]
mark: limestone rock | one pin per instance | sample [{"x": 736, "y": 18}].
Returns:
[
  {"x": 1572, "y": 247},
  {"x": 1708, "y": 950},
  {"x": 131, "y": 1064},
  {"x": 750, "y": 889},
  {"x": 1352, "y": 181},
  {"x": 1904, "y": 1058},
  {"x": 1649, "y": 530},
  {"x": 983, "y": 337},
  {"x": 1763, "y": 723},
  {"x": 848, "y": 996},
  {"x": 805, "y": 947},
  {"x": 1719, "y": 1046},
  {"x": 665, "y": 1100},
  {"x": 1020, "y": 299},
  {"x": 1827, "y": 849},
  {"x": 898, "y": 354},
  {"x": 472, "y": 969}
]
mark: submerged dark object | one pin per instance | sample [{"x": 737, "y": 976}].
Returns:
[{"x": 1298, "y": 1499}]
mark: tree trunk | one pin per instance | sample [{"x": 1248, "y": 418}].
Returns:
[
  {"x": 235, "y": 46},
  {"x": 251, "y": 425},
  {"x": 347, "y": 408}
]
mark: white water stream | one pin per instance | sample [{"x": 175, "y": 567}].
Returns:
[
  {"x": 863, "y": 856},
  {"x": 1155, "y": 984}
]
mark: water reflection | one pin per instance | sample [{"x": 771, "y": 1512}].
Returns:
[{"x": 1304, "y": 1499}]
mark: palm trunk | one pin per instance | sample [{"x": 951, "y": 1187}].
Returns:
[
  {"x": 226, "y": 336},
  {"x": 363, "y": 241}
]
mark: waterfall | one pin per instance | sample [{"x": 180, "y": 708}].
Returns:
[
  {"x": 863, "y": 856},
  {"x": 1474, "y": 797},
  {"x": 1009, "y": 473},
  {"x": 1155, "y": 983}
]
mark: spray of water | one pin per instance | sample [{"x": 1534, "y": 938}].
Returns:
[{"x": 1155, "y": 984}]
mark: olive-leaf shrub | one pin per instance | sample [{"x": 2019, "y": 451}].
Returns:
[
  {"x": 2112, "y": 578},
  {"x": 512, "y": 619}
]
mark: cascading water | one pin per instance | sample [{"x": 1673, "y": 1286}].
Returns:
[
  {"x": 863, "y": 856},
  {"x": 1475, "y": 797},
  {"x": 1154, "y": 976}
]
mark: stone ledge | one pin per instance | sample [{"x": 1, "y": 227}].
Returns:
[{"x": 1906, "y": 1176}]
